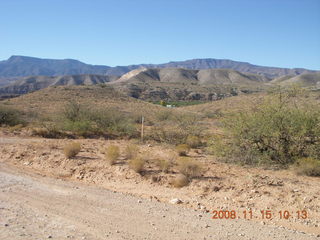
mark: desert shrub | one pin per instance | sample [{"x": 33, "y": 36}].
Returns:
[
  {"x": 180, "y": 181},
  {"x": 177, "y": 129},
  {"x": 277, "y": 132},
  {"x": 193, "y": 141},
  {"x": 112, "y": 154},
  {"x": 163, "y": 115},
  {"x": 50, "y": 132},
  {"x": 72, "y": 149},
  {"x": 183, "y": 149},
  {"x": 85, "y": 121},
  {"x": 16, "y": 128},
  {"x": 137, "y": 164},
  {"x": 213, "y": 114},
  {"x": 10, "y": 116},
  {"x": 114, "y": 122},
  {"x": 308, "y": 166},
  {"x": 131, "y": 151},
  {"x": 220, "y": 145},
  {"x": 80, "y": 127},
  {"x": 189, "y": 167},
  {"x": 73, "y": 111},
  {"x": 163, "y": 164},
  {"x": 76, "y": 119},
  {"x": 170, "y": 133}
]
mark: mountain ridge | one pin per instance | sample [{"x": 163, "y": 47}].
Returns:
[
  {"x": 20, "y": 66},
  {"x": 151, "y": 83}
]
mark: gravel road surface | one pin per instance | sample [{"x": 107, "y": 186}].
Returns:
[{"x": 33, "y": 207}]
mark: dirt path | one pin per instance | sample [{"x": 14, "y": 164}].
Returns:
[{"x": 35, "y": 207}]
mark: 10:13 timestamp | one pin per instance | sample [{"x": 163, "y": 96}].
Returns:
[{"x": 262, "y": 214}]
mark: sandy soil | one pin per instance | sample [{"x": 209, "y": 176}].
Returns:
[{"x": 44, "y": 206}]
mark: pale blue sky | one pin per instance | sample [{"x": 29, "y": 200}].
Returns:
[{"x": 283, "y": 33}]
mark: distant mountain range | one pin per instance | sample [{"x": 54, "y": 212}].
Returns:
[
  {"x": 166, "y": 83},
  {"x": 34, "y": 83},
  {"x": 198, "y": 79},
  {"x": 20, "y": 66}
]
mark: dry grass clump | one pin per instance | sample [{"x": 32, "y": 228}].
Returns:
[
  {"x": 16, "y": 128},
  {"x": 193, "y": 141},
  {"x": 137, "y": 164},
  {"x": 180, "y": 181},
  {"x": 308, "y": 166},
  {"x": 189, "y": 167},
  {"x": 183, "y": 149},
  {"x": 72, "y": 149},
  {"x": 131, "y": 151},
  {"x": 163, "y": 164},
  {"x": 112, "y": 154}
]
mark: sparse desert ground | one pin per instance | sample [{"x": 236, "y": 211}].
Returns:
[{"x": 221, "y": 187}]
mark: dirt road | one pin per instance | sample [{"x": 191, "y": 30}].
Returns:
[{"x": 36, "y": 207}]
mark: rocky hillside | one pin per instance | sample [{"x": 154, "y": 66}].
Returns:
[
  {"x": 174, "y": 84},
  {"x": 303, "y": 80},
  {"x": 202, "y": 77},
  {"x": 34, "y": 83}
]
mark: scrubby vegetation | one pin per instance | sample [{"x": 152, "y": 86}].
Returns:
[
  {"x": 180, "y": 181},
  {"x": 194, "y": 141},
  {"x": 10, "y": 116},
  {"x": 85, "y": 121},
  {"x": 278, "y": 132},
  {"x": 308, "y": 166},
  {"x": 131, "y": 151},
  {"x": 164, "y": 164},
  {"x": 112, "y": 154},
  {"x": 183, "y": 149},
  {"x": 189, "y": 167},
  {"x": 174, "y": 128},
  {"x": 72, "y": 149},
  {"x": 137, "y": 164}
]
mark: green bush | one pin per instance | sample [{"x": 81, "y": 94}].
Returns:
[
  {"x": 85, "y": 121},
  {"x": 10, "y": 116},
  {"x": 279, "y": 131},
  {"x": 73, "y": 111},
  {"x": 80, "y": 127}
]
